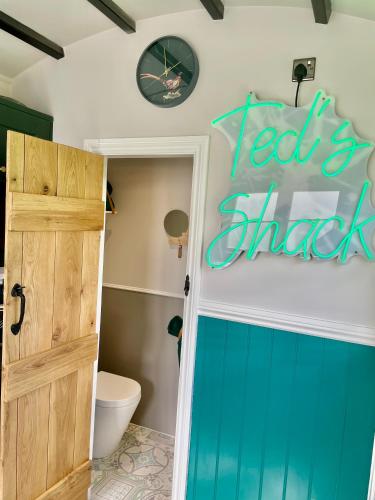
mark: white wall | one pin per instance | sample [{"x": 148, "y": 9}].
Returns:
[
  {"x": 5, "y": 86},
  {"x": 92, "y": 93}
]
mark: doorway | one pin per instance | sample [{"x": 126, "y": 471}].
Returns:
[
  {"x": 185, "y": 149},
  {"x": 142, "y": 309}
]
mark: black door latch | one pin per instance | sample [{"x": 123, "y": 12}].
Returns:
[
  {"x": 17, "y": 292},
  {"x": 187, "y": 285}
]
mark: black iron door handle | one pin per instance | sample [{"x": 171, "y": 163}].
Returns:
[
  {"x": 17, "y": 292},
  {"x": 187, "y": 285}
]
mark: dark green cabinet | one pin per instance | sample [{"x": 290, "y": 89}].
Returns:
[{"x": 16, "y": 116}]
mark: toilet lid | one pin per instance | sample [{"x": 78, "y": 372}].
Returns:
[{"x": 114, "y": 391}]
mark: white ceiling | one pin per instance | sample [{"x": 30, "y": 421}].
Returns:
[{"x": 67, "y": 21}]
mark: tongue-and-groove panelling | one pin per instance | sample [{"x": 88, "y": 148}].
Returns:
[{"x": 279, "y": 415}]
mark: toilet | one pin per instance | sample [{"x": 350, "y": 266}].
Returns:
[{"x": 117, "y": 399}]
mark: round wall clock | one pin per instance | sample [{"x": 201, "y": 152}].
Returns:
[{"x": 167, "y": 71}]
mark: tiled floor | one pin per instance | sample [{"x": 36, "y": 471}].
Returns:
[{"x": 140, "y": 469}]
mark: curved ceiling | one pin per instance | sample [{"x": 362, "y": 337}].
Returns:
[{"x": 67, "y": 21}]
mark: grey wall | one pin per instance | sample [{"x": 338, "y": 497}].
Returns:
[{"x": 134, "y": 343}]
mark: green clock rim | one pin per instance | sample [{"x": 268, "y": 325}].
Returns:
[{"x": 194, "y": 80}]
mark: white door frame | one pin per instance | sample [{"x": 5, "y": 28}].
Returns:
[{"x": 198, "y": 148}]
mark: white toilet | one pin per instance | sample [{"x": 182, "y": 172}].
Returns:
[{"x": 117, "y": 399}]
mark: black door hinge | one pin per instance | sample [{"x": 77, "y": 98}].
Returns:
[{"x": 187, "y": 285}]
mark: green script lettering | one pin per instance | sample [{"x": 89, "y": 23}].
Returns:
[
  {"x": 349, "y": 150},
  {"x": 308, "y": 244},
  {"x": 245, "y": 110},
  {"x": 274, "y": 141},
  {"x": 269, "y": 142}
]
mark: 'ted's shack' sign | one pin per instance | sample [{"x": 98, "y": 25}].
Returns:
[{"x": 299, "y": 184}]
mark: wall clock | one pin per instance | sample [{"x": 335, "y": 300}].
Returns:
[{"x": 167, "y": 71}]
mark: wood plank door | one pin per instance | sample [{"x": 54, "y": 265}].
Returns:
[{"x": 54, "y": 217}]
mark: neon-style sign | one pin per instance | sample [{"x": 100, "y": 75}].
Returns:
[{"x": 299, "y": 184}]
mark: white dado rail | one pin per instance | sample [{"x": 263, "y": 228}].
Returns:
[
  {"x": 335, "y": 330},
  {"x": 160, "y": 293}
]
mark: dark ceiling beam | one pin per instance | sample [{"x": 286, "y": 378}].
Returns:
[
  {"x": 215, "y": 8},
  {"x": 115, "y": 14},
  {"x": 322, "y": 10},
  {"x": 26, "y": 34}
]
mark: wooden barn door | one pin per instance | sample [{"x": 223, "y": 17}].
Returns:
[{"x": 54, "y": 218}]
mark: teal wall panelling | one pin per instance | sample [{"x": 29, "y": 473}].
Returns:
[{"x": 280, "y": 416}]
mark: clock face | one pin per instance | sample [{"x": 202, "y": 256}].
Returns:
[{"x": 167, "y": 72}]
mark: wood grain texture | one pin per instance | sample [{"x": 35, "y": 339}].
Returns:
[
  {"x": 94, "y": 165},
  {"x": 73, "y": 487},
  {"x": 89, "y": 285},
  {"x": 13, "y": 274},
  {"x": 13, "y": 244},
  {"x": 90, "y": 268},
  {"x": 15, "y": 162},
  {"x": 37, "y": 202},
  {"x": 40, "y": 166},
  {"x": 83, "y": 415},
  {"x": 43, "y": 368},
  {"x": 30, "y": 212},
  {"x": 40, "y": 178},
  {"x": 9, "y": 429},
  {"x": 69, "y": 249},
  {"x": 38, "y": 279},
  {"x": 91, "y": 247},
  {"x": 89, "y": 297},
  {"x": 63, "y": 398},
  {"x": 72, "y": 172},
  {"x": 79, "y": 260},
  {"x": 32, "y": 443},
  {"x": 54, "y": 214},
  {"x": 67, "y": 294}
]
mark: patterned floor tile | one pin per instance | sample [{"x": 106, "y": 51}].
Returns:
[{"x": 140, "y": 469}]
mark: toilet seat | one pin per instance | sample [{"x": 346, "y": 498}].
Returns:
[{"x": 114, "y": 391}]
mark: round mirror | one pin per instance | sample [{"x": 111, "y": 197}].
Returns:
[{"x": 176, "y": 222}]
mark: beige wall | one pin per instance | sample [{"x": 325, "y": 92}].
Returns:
[
  {"x": 137, "y": 251},
  {"x": 134, "y": 338},
  {"x": 135, "y": 343}
]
